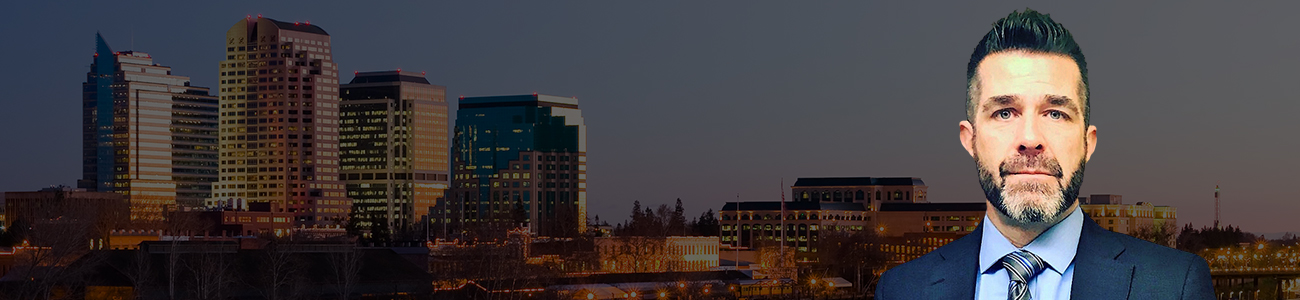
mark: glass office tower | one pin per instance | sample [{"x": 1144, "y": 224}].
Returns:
[
  {"x": 518, "y": 161},
  {"x": 146, "y": 133},
  {"x": 393, "y": 144}
]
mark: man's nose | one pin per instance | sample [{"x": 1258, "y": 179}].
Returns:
[
  {"x": 1030, "y": 143},
  {"x": 1031, "y": 150}
]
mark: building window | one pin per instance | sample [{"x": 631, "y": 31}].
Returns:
[{"x": 859, "y": 195}]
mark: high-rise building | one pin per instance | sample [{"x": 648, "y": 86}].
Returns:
[
  {"x": 393, "y": 148},
  {"x": 518, "y": 161},
  {"x": 279, "y": 122},
  {"x": 146, "y": 134}
]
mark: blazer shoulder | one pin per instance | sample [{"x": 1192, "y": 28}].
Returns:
[
  {"x": 1158, "y": 259},
  {"x": 1148, "y": 251},
  {"x": 953, "y": 256}
]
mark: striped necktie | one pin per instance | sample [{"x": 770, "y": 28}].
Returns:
[{"x": 1021, "y": 266}]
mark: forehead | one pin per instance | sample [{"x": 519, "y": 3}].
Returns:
[{"x": 1028, "y": 75}]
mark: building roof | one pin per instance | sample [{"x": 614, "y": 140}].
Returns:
[
  {"x": 955, "y": 206},
  {"x": 388, "y": 76},
  {"x": 857, "y": 181},
  {"x": 776, "y": 205},
  {"x": 298, "y": 26},
  {"x": 518, "y": 100}
]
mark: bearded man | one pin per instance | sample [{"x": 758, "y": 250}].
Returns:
[{"x": 1027, "y": 127}]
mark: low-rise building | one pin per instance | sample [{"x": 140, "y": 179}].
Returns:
[
  {"x": 639, "y": 254},
  {"x": 1111, "y": 213},
  {"x": 68, "y": 213}
]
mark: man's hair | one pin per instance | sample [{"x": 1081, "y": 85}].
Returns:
[{"x": 1032, "y": 32}]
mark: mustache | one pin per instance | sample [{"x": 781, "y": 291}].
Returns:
[{"x": 1030, "y": 164}]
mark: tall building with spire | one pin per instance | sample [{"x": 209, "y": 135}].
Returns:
[
  {"x": 279, "y": 122},
  {"x": 146, "y": 133},
  {"x": 518, "y": 161},
  {"x": 393, "y": 144}
]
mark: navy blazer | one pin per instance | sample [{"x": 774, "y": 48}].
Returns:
[{"x": 1108, "y": 265}]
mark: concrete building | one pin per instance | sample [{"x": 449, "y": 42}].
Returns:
[
  {"x": 752, "y": 224},
  {"x": 518, "y": 161},
  {"x": 67, "y": 217},
  {"x": 867, "y": 190},
  {"x": 393, "y": 147},
  {"x": 638, "y": 254},
  {"x": 279, "y": 118},
  {"x": 146, "y": 133},
  {"x": 897, "y": 219},
  {"x": 1111, "y": 213},
  {"x": 890, "y": 207}
]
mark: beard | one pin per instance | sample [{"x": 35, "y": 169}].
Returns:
[{"x": 1032, "y": 202}]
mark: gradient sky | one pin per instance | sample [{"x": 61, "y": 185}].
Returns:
[{"x": 704, "y": 100}]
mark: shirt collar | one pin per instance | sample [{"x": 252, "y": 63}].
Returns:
[{"x": 1056, "y": 246}]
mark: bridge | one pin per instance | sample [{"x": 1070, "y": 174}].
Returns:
[{"x": 1260, "y": 271}]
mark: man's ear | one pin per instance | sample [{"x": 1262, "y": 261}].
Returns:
[
  {"x": 967, "y": 135},
  {"x": 1090, "y": 137}
]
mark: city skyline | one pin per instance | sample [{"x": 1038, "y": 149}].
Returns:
[{"x": 731, "y": 100}]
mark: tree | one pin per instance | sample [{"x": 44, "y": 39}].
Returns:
[
  {"x": 705, "y": 225},
  {"x": 1195, "y": 241},
  {"x": 345, "y": 267},
  {"x": 519, "y": 214},
  {"x": 850, "y": 254},
  {"x": 676, "y": 223},
  {"x": 57, "y": 233},
  {"x": 280, "y": 270},
  {"x": 1163, "y": 235},
  {"x": 210, "y": 270}
]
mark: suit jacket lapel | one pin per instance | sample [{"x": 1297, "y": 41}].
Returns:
[
  {"x": 1099, "y": 273},
  {"x": 954, "y": 277}
]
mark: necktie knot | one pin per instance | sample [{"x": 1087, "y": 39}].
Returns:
[{"x": 1023, "y": 266}]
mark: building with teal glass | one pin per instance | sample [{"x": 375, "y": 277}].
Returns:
[{"x": 517, "y": 162}]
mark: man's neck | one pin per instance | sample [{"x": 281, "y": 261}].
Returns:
[{"x": 1021, "y": 234}]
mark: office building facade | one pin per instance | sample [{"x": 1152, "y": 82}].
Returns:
[
  {"x": 279, "y": 122},
  {"x": 518, "y": 161},
  {"x": 868, "y": 190},
  {"x": 1111, "y": 213},
  {"x": 393, "y": 148},
  {"x": 146, "y": 133},
  {"x": 889, "y": 207}
]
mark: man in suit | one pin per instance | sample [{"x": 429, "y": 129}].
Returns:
[{"x": 1027, "y": 128}]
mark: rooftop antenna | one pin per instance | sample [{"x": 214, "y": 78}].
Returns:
[{"x": 1216, "y": 205}]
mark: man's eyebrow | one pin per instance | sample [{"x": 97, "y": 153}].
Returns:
[
  {"x": 1062, "y": 101},
  {"x": 999, "y": 101}
]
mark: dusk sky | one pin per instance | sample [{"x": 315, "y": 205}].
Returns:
[{"x": 704, "y": 100}]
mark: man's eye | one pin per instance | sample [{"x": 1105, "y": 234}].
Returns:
[
  {"x": 1055, "y": 115},
  {"x": 1002, "y": 114}
]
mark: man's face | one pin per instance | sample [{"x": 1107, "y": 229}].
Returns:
[{"x": 1028, "y": 136}]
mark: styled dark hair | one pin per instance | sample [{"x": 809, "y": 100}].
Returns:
[{"x": 1032, "y": 32}]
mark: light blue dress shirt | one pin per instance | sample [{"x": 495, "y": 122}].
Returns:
[{"x": 1056, "y": 246}]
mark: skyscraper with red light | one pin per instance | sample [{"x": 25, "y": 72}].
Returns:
[
  {"x": 146, "y": 133},
  {"x": 279, "y": 122}
]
